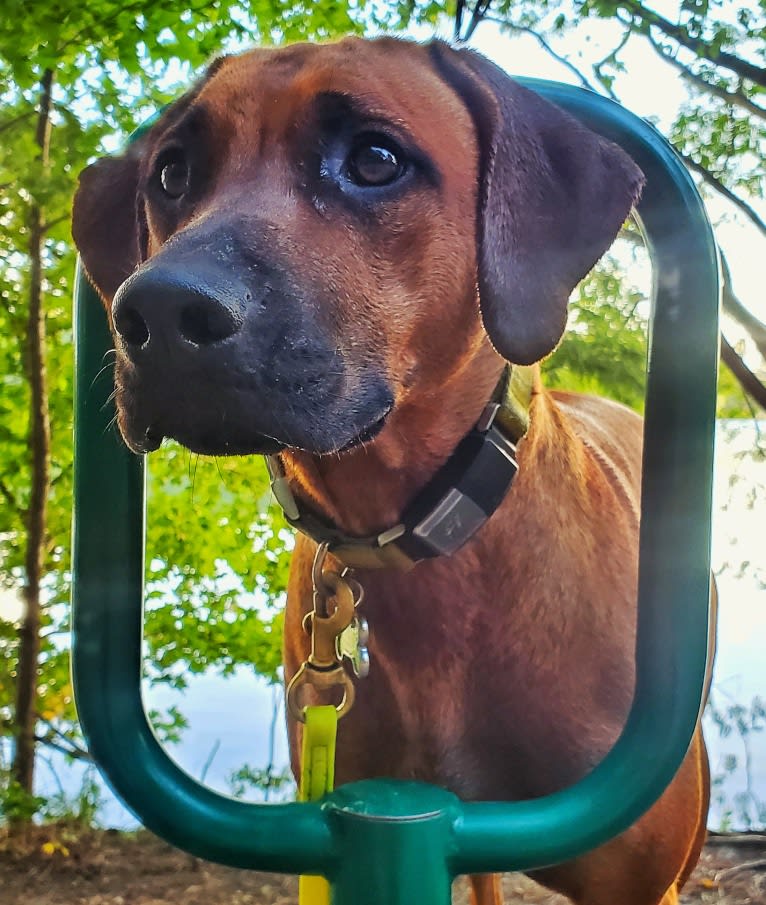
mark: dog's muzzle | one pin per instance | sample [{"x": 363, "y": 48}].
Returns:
[{"x": 220, "y": 351}]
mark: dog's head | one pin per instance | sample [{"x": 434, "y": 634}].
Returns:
[{"x": 297, "y": 246}]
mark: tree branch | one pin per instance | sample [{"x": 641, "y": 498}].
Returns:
[
  {"x": 459, "y": 10},
  {"x": 49, "y": 224},
  {"x": 55, "y": 732},
  {"x": 758, "y": 864},
  {"x": 480, "y": 10},
  {"x": 727, "y": 193},
  {"x": 734, "y": 307},
  {"x": 748, "y": 838},
  {"x": 17, "y": 119},
  {"x": 735, "y": 98},
  {"x": 74, "y": 751},
  {"x": 745, "y": 377},
  {"x": 650, "y": 19},
  {"x": 610, "y": 57},
  {"x": 6, "y": 492},
  {"x": 526, "y": 30},
  {"x": 706, "y": 175}
]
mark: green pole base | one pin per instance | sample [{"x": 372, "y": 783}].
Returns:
[{"x": 396, "y": 839}]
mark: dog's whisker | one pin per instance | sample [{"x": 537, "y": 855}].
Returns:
[
  {"x": 417, "y": 259},
  {"x": 109, "y": 400},
  {"x": 220, "y": 473},
  {"x": 101, "y": 371},
  {"x": 196, "y": 458},
  {"x": 111, "y": 425}
]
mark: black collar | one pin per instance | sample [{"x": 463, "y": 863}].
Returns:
[{"x": 455, "y": 503}]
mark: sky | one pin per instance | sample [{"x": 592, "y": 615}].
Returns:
[
  {"x": 657, "y": 94},
  {"x": 740, "y": 672},
  {"x": 738, "y": 529}
]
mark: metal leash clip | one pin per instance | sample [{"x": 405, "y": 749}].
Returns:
[{"x": 336, "y": 631}]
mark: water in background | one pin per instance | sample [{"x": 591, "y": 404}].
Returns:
[{"x": 230, "y": 718}]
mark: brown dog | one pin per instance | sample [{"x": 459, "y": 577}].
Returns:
[{"x": 328, "y": 254}]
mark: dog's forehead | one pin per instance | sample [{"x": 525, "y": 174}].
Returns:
[{"x": 391, "y": 80}]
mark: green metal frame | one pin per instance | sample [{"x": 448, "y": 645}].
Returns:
[{"x": 403, "y": 842}]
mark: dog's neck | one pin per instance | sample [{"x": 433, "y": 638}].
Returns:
[{"x": 365, "y": 490}]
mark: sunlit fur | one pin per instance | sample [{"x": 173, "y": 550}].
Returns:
[{"x": 506, "y": 670}]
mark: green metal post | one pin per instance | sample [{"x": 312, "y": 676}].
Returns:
[
  {"x": 388, "y": 842},
  {"x": 410, "y": 823}
]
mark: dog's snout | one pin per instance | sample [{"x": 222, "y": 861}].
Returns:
[
  {"x": 131, "y": 326},
  {"x": 206, "y": 321},
  {"x": 162, "y": 307}
]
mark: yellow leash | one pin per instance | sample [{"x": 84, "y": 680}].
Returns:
[
  {"x": 317, "y": 779},
  {"x": 337, "y": 633}
]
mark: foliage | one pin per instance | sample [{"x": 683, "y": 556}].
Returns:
[
  {"x": 733, "y": 719},
  {"x": 15, "y": 802},
  {"x": 76, "y": 811},
  {"x": 270, "y": 782},
  {"x": 211, "y": 602},
  {"x": 215, "y": 583},
  {"x": 266, "y": 780},
  {"x": 718, "y": 51},
  {"x": 604, "y": 349},
  {"x": 216, "y": 576}
]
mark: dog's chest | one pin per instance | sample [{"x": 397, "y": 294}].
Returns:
[
  {"x": 420, "y": 713},
  {"x": 409, "y": 721},
  {"x": 464, "y": 691}
]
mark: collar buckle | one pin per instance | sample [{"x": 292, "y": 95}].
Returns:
[{"x": 460, "y": 498}]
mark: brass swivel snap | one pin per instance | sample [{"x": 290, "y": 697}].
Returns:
[{"x": 331, "y": 625}]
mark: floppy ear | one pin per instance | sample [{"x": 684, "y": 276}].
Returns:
[
  {"x": 553, "y": 195},
  {"x": 108, "y": 223},
  {"x": 108, "y": 220}
]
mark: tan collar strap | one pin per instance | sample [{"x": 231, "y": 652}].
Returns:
[{"x": 454, "y": 504}]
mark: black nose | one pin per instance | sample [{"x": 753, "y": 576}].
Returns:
[{"x": 167, "y": 306}]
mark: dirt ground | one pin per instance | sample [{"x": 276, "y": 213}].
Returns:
[{"x": 111, "y": 868}]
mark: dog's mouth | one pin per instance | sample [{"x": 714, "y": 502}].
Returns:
[
  {"x": 216, "y": 402},
  {"x": 214, "y": 442},
  {"x": 207, "y": 445},
  {"x": 367, "y": 434}
]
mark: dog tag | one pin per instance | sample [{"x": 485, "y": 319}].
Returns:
[{"x": 352, "y": 644}]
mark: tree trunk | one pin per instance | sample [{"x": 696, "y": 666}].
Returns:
[{"x": 39, "y": 448}]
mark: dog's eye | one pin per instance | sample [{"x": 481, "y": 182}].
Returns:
[
  {"x": 374, "y": 163},
  {"x": 174, "y": 173}
]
